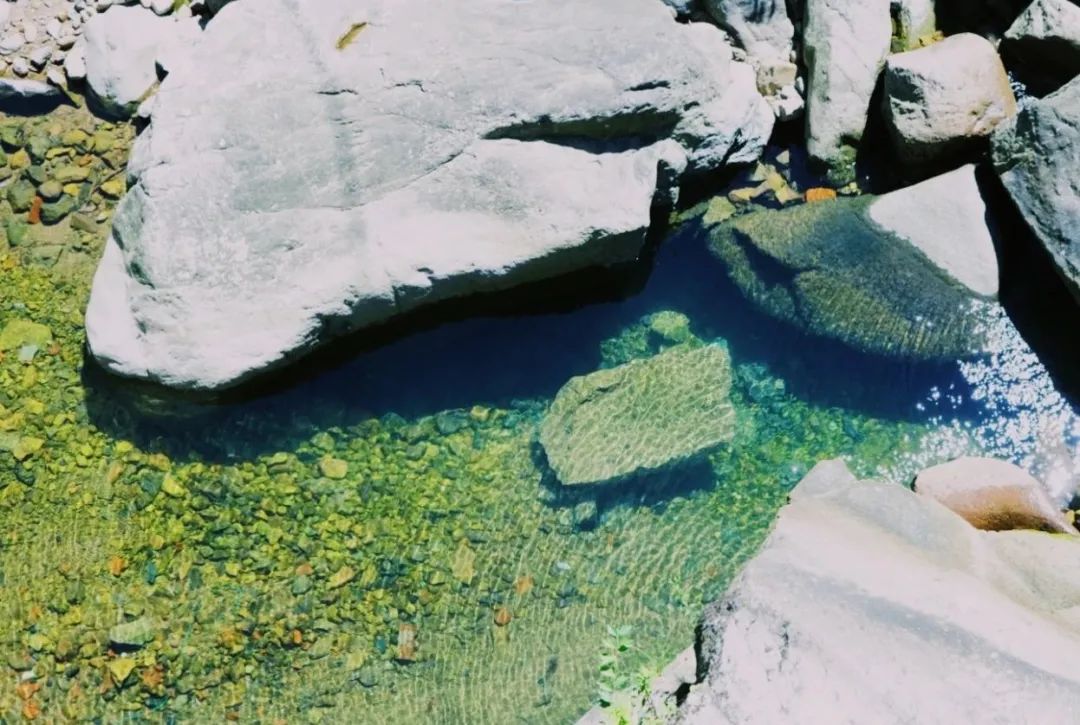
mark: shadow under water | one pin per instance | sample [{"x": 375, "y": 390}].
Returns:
[{"x": 521, "y": 345}]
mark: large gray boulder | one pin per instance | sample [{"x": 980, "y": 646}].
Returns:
[
  {"x": 868, "y": 603},
  {"x": 942, "y": 99},
  {"x": 1037, "y": 156},
  {"x": 1043, "y": 45},
  {"x": 901, "y": 274},
  {"x": 375, "y": 159},
  {"x": 119, "y": 51},
  {"x": 639, "y": 418},
  {"x": 761, "y": 27},
  {"x": 844, "y": 47}
]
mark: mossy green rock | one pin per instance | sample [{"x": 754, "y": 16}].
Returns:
[
  {"x": 640, "y": 417},
  {"x": 53, "y": 212},
  {"x": 827, "y": 268},
  {"x": 17, "y": 333},
  {"x": 21, "y": 195},
  {"x": 137, "y": 633}
]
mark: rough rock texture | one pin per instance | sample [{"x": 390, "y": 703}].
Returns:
[
  {"x": 1043, "y": 45},
  {"x": 992, "y": 495},
  {"x": 942, "y": 98},
  {"x": 915, "y": 20},
  {"x": 374, "y": 159},
  {"x": 869, "y": 603},
  {"x": 844, "y": 47},
  {"x": 761, "y": 27},
  {"x": 1037, "y": 156},
  {"x": 874, "y": 273},
  {"x": 641, "y": 417},
  {"x": 120, "y": 49},
  {"x": 945, "y": 218}
]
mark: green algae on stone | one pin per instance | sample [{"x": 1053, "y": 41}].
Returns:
[
  {"x": 17, "y": 333},
  {"x": 827, "y": 268},
  {"x": 640, "y": 417}
]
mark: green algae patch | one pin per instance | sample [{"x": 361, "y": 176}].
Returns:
[
  {"x": 641, "y": 417},
  {"x": 17, "y": 333}
]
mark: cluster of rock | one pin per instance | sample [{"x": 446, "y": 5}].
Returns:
[
  {"x": 118, "y": 48},
  {"x": 871, "y": 603}
]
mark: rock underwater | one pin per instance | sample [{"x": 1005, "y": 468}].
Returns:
[
  {"x": 355, "y": 163},
  {"x": 641, "y": 417},
  {"x": 871, "y": 272}
]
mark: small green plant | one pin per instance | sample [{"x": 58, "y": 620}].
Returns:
[{"x": 613, "y": 675}]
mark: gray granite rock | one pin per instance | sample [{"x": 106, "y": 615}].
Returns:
[
  {"x": 1037, "y": 156},
  {"x": 943, "y": 99},
  {"x": 120, "y": 49},
  {"x": 1043, "y": 45},
  {"x": 844, "y": 48},
  {"x": 869, "y": 603},
  {"x": 378, "y": 158}
]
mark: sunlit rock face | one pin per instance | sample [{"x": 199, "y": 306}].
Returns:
[
  {"x": 359, "y": 161},
  {"x": 929, "y": 605}
]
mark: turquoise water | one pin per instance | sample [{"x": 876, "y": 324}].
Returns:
[{"x": 373, "y": 536}]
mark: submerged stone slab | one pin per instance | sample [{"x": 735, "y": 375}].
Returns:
[
  {"x": 901, "y": 274},
  {"x": 641, "y": 417},
  {"x": 378, "y": 157},
  {"x": 869, "y": 603}
]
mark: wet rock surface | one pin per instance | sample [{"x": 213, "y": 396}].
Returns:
[
  {"x": 641, "y": 417},
  {"x": 864, "y": 272}
]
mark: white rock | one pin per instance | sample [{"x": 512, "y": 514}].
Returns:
[
  {"x": 11, "y": 43},
  {"x": 915, "y": 20},
  {"x": 20, "y": 66},
  {"x": 30, "y": 32},
  {"x": 39, "y": 56},
  {"x": 54, "y": 29},
  {"x": 871, "y": 604},
  {"x": 761, "y": 28},
  {"x": 844, "y": 47},
  {"x": 75, "y": 63},
  {"x": 942, "y": 98},
  {"x": 419, "y": 184},
  {"x": 121, "y": 46},
  {"x": 161, "y": 7},
  {"x": 945, "y": 218}
]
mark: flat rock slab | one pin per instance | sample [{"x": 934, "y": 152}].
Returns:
[
  {"x": 869, "y": 603},
  {"x": 354, "y": 162},
  {"x": 641, "y": 417}
]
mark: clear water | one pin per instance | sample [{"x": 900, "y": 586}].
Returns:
[{"x": 275, "y": 592}]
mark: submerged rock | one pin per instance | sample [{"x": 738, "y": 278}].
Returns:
[
  {"x": 869, "y": 603},
  {"x": 1043, "y": 45},
  {"x": 897, "y": 274},
  {"x": 941, "y": 99},
  {"x": 381, "y": 157},
  {"x": 992, "y": 495},
  {"x": 641, "y": 417},
  {"x": 1037, "y": 156},
  {"x": 844, "y": 46}
]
